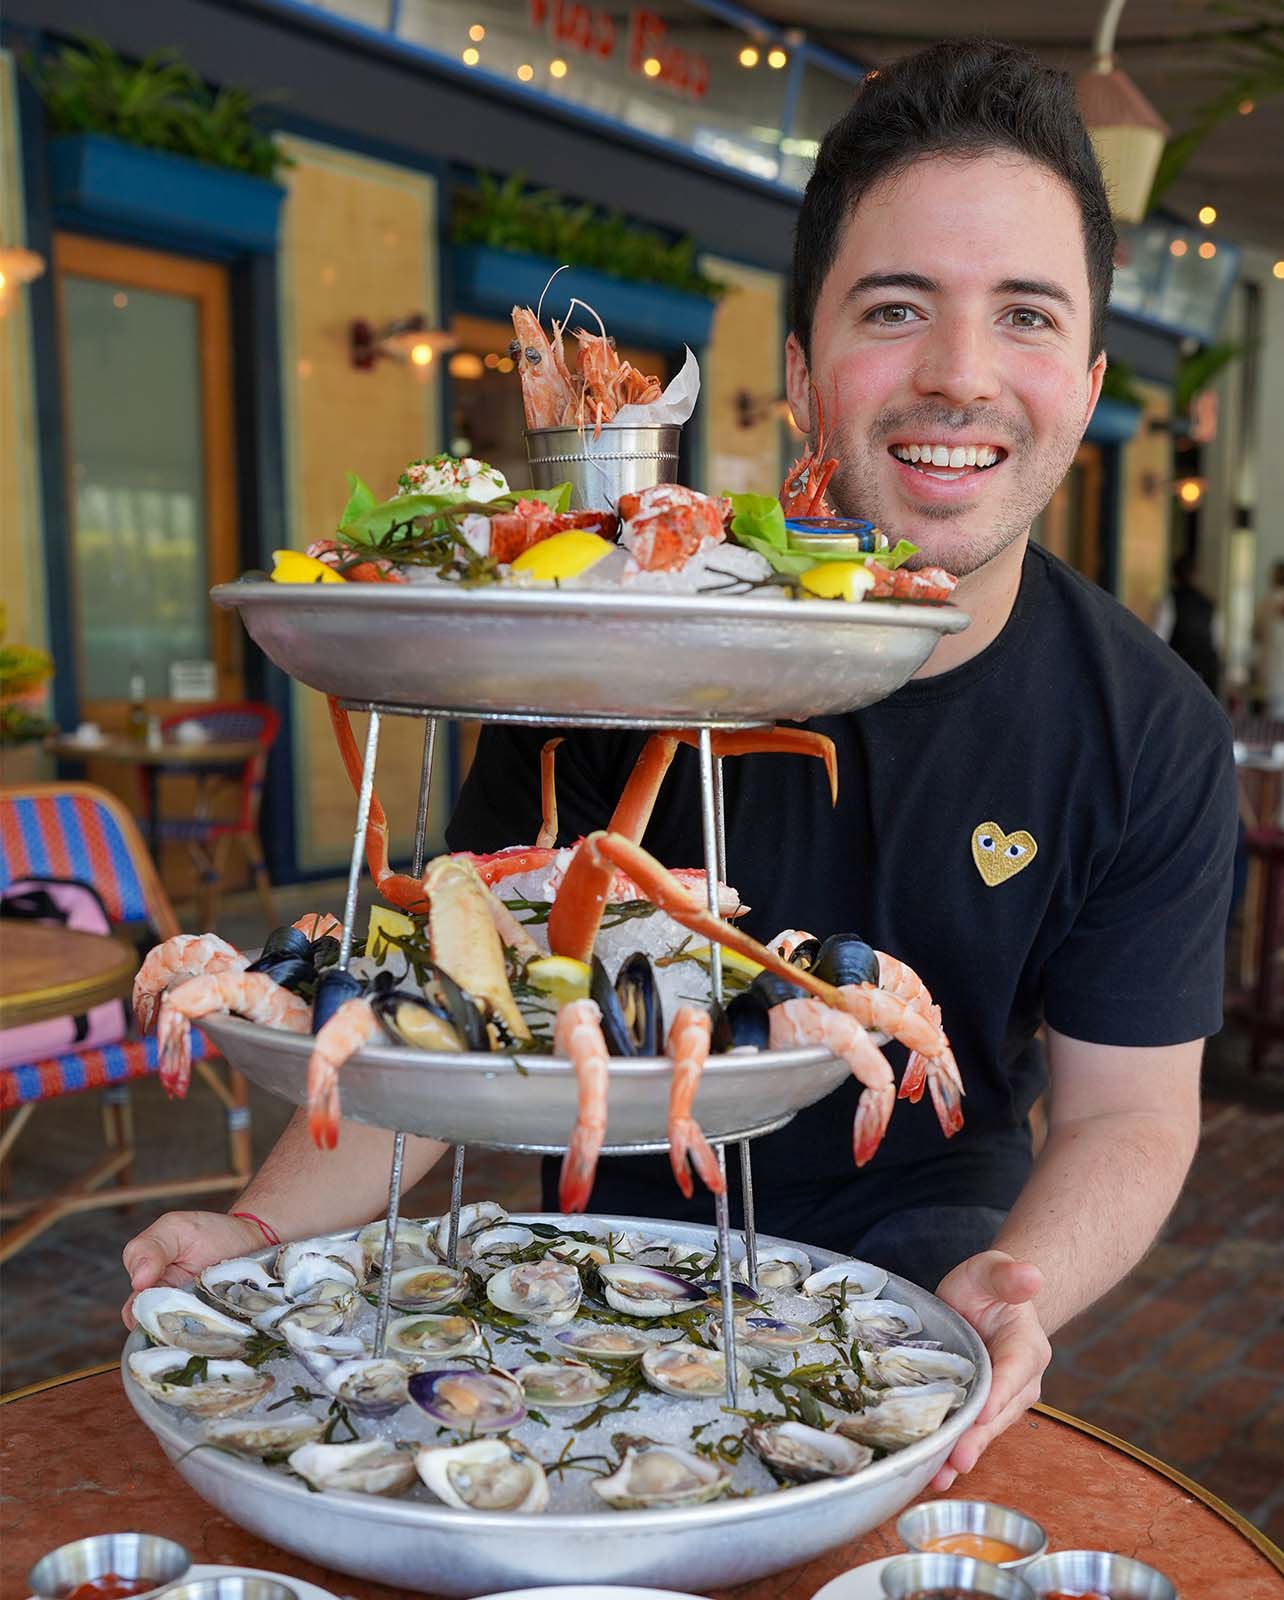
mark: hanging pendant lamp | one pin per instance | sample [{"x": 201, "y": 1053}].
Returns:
[{"x": 1127, "y": 132}]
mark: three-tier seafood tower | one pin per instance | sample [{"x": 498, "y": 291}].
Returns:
[{"x": 483, "y": 1402}]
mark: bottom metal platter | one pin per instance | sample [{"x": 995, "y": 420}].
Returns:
[
  {"x": 443, "y": 1551},
  {"x": 528, "y": 1102}
]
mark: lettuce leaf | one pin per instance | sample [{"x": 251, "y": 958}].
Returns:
[
  {"x": 758, "y": 522},
  {"x": 366, "y": 522}
]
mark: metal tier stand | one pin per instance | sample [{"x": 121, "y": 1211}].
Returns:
[{"x": 713, "y": 828}]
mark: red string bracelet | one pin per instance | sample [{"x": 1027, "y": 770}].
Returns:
[{"x": 270, "y": 1234}]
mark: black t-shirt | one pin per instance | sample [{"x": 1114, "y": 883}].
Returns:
[{"x": 1044, "y": 832}]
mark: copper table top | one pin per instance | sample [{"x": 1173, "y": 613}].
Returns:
[
  {"x": 57, "y": 972},
  {"x": 170, "y": 753},
  {"x": 76, "y": 1460}
]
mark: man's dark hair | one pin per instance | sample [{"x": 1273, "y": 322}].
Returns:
[{"x": 962, "y": 97}]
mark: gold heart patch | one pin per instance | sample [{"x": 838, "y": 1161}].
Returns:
[{"x": 1000, "y": 856}]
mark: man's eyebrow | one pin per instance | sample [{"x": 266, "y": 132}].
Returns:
[
  {"x": 892, "y": 280},
  {"x": 1042, "y": 288}
]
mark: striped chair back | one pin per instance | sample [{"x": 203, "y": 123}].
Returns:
[{"x": 76, "y": 830}]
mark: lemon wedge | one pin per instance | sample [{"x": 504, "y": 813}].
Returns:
[
  {"x": 292, "y": 566},
  {"x": 564, "y": 555},
  {"x": 732, "y": 961},
  {"x": 837, "y": 580},
  {"x": 385, "y": 922},
  {"x": 559, "y": 977}
]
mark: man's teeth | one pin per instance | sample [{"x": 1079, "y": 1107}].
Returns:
[{"x": 944, "y": 455}]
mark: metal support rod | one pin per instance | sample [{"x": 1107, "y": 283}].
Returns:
[
  {"x": 708, "y": 817},
  {"x": 359, "y": 838},
  {"x": 389, "y": 1244},
  {"x": 724, "y": 1275},
  {"x": 746, "y": 1158},
  {"x": 425, "y": 790},
  {"x": 456, "y": 1195}
]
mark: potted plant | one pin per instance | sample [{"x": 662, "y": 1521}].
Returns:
[
  {"x": 508, "y": 241},
  {"x": 148, "y": 144},
  {"x": 24, "y": 674}
]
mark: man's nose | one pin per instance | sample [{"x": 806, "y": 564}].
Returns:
[{"x": 957, "y": 363}]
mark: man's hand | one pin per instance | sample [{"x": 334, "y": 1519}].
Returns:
[
  {"x": 994, "y": 1293},
  {"x": 178, "y": 1245}
]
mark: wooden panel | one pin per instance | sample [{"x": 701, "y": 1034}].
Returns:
[
  {"x": 745, "y": 356},
  {"x": 1147, "y": 508},
  {"x": 359, "y": 242}
]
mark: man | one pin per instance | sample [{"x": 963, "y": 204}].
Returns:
[{"x": 1040, "y": 823}]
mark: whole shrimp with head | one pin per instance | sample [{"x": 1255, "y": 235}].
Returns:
[{"x": 555, "y": 397}]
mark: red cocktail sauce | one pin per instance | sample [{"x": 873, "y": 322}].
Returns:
[
  {"x": 1075, "y": 1594},
  {"x": 111, "y": 1586}
]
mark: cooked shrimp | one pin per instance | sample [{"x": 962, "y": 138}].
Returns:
[
  {"x": 688, "y": 1049},
  {"x": 939, "y": 1072},
  {"x": 353, "y": 1024},
  {"x": 186, "y": 955},
  {"x": 884, "y": 1012},
  {"x": 577, "y": 1034},
  {"x": 810, "y": 1021},
  {"x": 319, "y": 925},
  {"x": 252, "y": 995}
]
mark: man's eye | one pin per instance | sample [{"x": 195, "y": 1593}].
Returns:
[
  {"x": 892, "y": 316},
  {"x": 1027, "y": 317}
]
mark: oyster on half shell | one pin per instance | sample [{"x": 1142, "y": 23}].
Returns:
[
  {"x": 372, "y": 1388},
  {"x": 174, "y": 1317},
  {"x": 902, "y": 1366},
  {"x": 850, "y": 1280},
  {"x": 261, "y": 1436},
  {"x": 223, "y": 1388},
  {"x": 804, "y": 1455},
  {"x": 655, "y": 1475},
  {"x": 485, "y": 1475},
  {"x": 541, "y": 1291},
  {"x": 370, "y": 1466},
  {"x": 899, "y": 1416},
  {"x": 242, "y": 1287}
]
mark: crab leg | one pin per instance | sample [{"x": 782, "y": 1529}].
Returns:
[
  {"x": 465, "y": 942},
  {"x": 577, "y": 911},
  {"x": 546, "y": 838}
]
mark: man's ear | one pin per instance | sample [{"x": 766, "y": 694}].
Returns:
[
  {"x": 798, "y": 384},
  {"x": 1096, "y": 372}
]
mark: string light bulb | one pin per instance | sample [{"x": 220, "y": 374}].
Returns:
[
  {"x": 471, "y": 57},
  {"x": 557, "y": 67},
  {"x": 749, "y": 56},
  {"x": 1245, "y": 108},
  {"x": 1277, "y": 271},
  {"x": 477, "y": 33},
  {"x": 526, "y": 72},
  {"x": 776, "y": 58},
  {"x": 1208, "y": 215},
  {"x": 651, "y": 66},
  {"x": 421, "y": 355},
  {"x": 1208, "y": 250},
  {"x": 1177, "y": 248},
  {"x": 1190, "y": 491}
]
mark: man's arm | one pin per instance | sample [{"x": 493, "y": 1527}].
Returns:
[
  {"x": 299, "y": 1191},
  {"x": 1123, "y": 1126}
]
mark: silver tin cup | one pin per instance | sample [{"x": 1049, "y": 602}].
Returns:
[
  {"x": 232, "y": 1586},
  {"x": 1086, "y": 1571},
  {"x": 128, "y": 1555},
  {"x": 934, "y": 1519},
  {"x": 924, "y": 1575},
  {"x": 599, "y": 470}
]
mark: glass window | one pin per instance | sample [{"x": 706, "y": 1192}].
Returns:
[
  {"x": 821, "y": 101},
  {"x": 134, "y": 412}
]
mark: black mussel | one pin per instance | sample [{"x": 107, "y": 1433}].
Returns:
[
  {"x": 287, "y": 941},
  {"x": 333, "y": 988},
  {"x": 846, "y": 958},
  {"x": 805, "y": 954},
  {"x": 742, "y": 1022},
  {"x": 773, "y": 990},
  {"x": 442, "y": 1018},
  {"x": 291, "y": 972},
  {"x": 632, "y": 1017}
]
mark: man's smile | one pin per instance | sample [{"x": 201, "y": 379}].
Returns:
[{"x": 947, "y": 462}]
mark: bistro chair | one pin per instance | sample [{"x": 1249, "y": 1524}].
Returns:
[
  {"x": 76, "y": 830},
  {"x": 207, "y": 835}
]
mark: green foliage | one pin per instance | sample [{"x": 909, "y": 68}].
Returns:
[
  {"x": 159, "y": 103},
  {"x": 1252, "y": 68},
  {"x": 1196, "y": 372},
  {"x": 505, "y": 216},
  {"x": 22, "y": 672}
]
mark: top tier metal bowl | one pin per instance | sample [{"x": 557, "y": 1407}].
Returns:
[{"x": 595, "y": 657}]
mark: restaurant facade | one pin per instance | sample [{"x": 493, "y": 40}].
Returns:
[{"x": 207, "y": 355}]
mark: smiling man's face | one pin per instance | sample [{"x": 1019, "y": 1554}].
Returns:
[{"x": 950, "y": 349}]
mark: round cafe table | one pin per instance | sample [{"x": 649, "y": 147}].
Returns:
[
  {"x": 56, "y": 972},
  {"x": 75, "y": 1460}
]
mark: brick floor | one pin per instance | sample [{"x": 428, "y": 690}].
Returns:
[{"x": 1185, "y": 1358}]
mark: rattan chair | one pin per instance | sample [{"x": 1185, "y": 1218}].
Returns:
[{"x": 76, "y": 830}]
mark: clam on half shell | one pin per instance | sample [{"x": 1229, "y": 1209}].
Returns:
[
  {"x": 656, "y": 1475},
  {"x": 603, "y": 1343},
  {"x": 370, "y": 1466},
  {"x": 485, "y": 1475},
  {"x": 541, "y": 1291},
  {"x": 648, "y": 1291},
  {"x": 174, "y": 1317},
  {"x": 468, "y": 1400},
  {"x": 689, "y": 1370},
  {"x": 225, "y": 1387},
  {"x": 853, "y": 1280},
  {"x": 425, "y": 1339},
  {"x": 553, "y": 1384}
]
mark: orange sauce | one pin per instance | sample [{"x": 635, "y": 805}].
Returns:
[
  {"x": 111, "y": 1586},
  {"x": 978, "y": 1545}
]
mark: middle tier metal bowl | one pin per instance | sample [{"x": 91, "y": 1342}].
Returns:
[
  {"x": 528, "y": 1102},
  {"x": 591, "y": 656},
  {"x": 413, "y": 1545}
]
